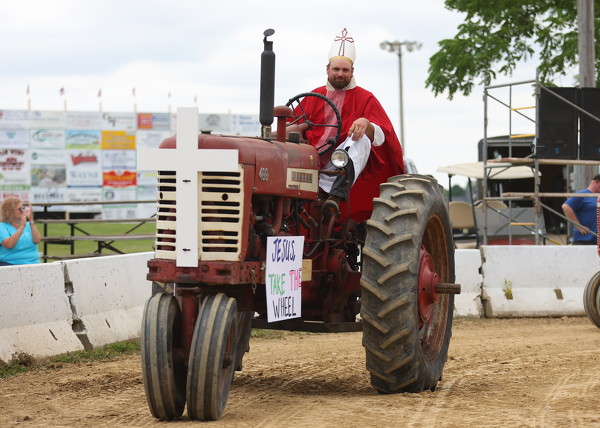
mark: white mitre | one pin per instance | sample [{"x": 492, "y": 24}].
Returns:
[{"x": 343, "y": 47}]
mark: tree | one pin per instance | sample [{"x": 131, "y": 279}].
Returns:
[{"x": 498, "y": 34}]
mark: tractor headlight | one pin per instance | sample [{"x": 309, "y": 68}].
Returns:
[{"x": 340, "y": 158}]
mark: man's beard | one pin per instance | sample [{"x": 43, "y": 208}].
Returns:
[{"x": 339, "y": 83}]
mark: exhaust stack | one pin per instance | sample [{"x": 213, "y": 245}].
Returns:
[{"x": 267, "y": 86}]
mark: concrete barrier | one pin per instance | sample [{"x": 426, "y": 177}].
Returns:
[
  {"x": 467, "y": 267},
  {"x": 35, "y": 313},
  {"x": 528, "y": 280},
  {"x": 49, "y": 309},
  {"x": 109, "y": 294}
]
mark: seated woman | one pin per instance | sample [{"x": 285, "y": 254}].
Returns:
[{"x": 19, "y": 235}]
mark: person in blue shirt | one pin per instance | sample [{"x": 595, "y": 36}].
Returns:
[
  {"x": 19, "y": 235},
  {"x": 582, "y": 211}
]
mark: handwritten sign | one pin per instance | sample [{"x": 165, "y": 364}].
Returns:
[{"x": 284, "y": 277}]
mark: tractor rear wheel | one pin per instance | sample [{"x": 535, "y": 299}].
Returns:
[
  {"x": 408, "y": 251},
  {"x": 591, "y": 299},
  {"x": 212, "y": 357},
  {"x": 163, "y": 357}
]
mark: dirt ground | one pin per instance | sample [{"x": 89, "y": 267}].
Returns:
[{"x": 508, "y": 373}]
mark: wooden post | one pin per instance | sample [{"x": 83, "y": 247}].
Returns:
[{"x": 587, "y": 74}]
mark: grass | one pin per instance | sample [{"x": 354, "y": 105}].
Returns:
[
  {"x": 84, "y": 247},
  {"x": 267, "y": 334},
  {"x": 23, "y": 362}
]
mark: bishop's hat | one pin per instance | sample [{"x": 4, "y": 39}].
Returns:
[{"x": 343, "y": 47}]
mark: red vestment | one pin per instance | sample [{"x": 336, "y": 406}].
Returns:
[{"x": 384, "y": 161}]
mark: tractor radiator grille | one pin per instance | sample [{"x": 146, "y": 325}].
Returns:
[{"x": 220, "y": 208}]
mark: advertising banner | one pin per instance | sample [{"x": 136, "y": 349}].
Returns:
[
  {"x": 118, "y": 159},
  {"x": 150, "y": 139},
  {"x": 118, "y": 140},
  {"x": 49, "y": 175},
  {"x": 14, "y": 119},
  {"x": 147, "y": 178},
  {"x": 83, "y": 168},
  {"x": 119, "y": 179},
  {"x": 84, "y": 194},
  {"x": 47, "y": 138},
  {"x": 20, "y": 191},
  {"x": 119, "y": 121},
  {"x": 146, "y": 193},
  {"x": 245, "y": 124},
  {"x": 48, "y": 157},
  {"x": 82, "y": 139},
  {"x": 15, "y": 167},
  {"x": 220, "y": 123},
  {"x": 117, "y": 211},
  {"x": 47, "y": 119},
  {"x": 49, "y": 195},
  {"x": 14, "y": 139},
  {"x": 154, "y": 121},
  {"x": 89, "y": 120}
]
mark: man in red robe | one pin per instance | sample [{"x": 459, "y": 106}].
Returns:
[{"x": 367, "y": 133}]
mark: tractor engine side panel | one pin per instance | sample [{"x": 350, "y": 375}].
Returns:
[{"x": 286, "y": 169}]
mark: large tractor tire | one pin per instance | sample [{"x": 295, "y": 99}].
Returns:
[
  {"x": 163, "y": 357},
  {"x": 591, "y": 299},
  {"x": 408, "y": 252},
  {"x": 212, "y": 358}
]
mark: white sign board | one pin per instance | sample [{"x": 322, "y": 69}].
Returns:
[{"x": 284, "y": 277}]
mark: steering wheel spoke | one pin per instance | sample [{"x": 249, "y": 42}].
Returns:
[{"x": 302, "y": 118}]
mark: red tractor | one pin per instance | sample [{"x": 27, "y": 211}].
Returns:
[{"x": 391, "y": 277}]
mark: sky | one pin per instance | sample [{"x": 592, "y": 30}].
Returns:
[{"x": 210, "y": 51}]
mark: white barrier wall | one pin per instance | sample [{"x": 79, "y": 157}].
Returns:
[
  {"x": 525, "y": 280},
  {"x": 53, "y": 308},
  {"x": 49, "y": 309},
  {"x": 35, "y": 313},
  {"x": 467, "y": 264},
  {"x": 109, "y": 294}
]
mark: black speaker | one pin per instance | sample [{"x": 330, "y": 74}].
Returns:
[
  {"x": 589, "y": 143},
  {"x": 557, "y": 121}
]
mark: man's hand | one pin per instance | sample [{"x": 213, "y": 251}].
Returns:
[
  {"x": 360, "y": 127},
  {"x": 570, "y": 214}
]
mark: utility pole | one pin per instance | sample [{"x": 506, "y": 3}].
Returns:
[
  {"x": 397, "y": 47},
  {"x": 587, "y": 72}
]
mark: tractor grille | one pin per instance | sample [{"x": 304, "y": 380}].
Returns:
[{"x": 220, "y": 208}]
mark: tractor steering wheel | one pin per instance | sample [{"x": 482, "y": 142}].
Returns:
[{"x": 303, "y": 118}]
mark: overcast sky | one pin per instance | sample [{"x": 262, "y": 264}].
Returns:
[{"x": 211, "y": 50}]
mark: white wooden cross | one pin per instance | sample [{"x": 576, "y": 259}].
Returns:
[{"x": 187, "y": 161}]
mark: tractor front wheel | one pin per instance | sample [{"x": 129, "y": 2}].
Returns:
[
  {"x": 212, "y": 357},
  {"x": 408, "y": 268},
  {"x": 163, "y": 357}
]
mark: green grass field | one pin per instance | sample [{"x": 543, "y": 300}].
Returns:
[{"x": 84, "y": 247}]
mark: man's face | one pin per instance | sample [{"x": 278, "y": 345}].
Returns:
[
  {"x": 339, "y": 73},
  {"x": 595, "y": 187}
]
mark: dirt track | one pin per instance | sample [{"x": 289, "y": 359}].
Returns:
[{"x": 509, "y": 373}]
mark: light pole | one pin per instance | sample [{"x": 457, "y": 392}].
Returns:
[{"x": 397, "y": 47}]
